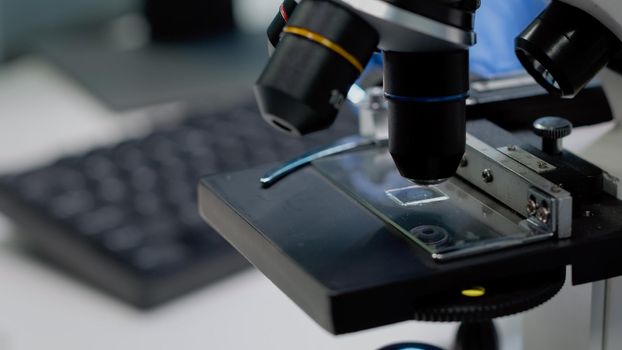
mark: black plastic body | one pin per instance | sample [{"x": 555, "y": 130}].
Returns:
[
  {"x": 516, "y": 109},
  {"x": 426, "y": 93},
  {"x": 286, "y": 10},
  {"x": 402, "y": 346},
  {"x": 349, "y": 270},
  {"x": 564, "y": 48},
  {"x": 305, "y": 83},
  {"x": 477, "y": 335}
]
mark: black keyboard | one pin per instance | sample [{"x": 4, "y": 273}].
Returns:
[{"x": 124, "y": 217}]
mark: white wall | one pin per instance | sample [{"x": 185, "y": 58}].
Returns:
[
  {"x": 21, "y": 20},
  {"x": 255, "y": 15}
]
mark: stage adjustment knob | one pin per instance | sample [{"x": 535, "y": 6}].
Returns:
[{"x": 552, "y": 130}]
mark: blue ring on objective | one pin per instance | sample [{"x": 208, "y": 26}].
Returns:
[{"x": 426, "y": 99}]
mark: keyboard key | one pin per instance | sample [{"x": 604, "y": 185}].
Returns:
[
  {"x": 123, "y": 238},
  {"x": 111, "y": 190},
  {"x": 70, "y": 204},
  {"x": 154, "y": 258},
  {"x": 143, "y": 178},
  {"x": 100, "y": 220},
  {"x": 147, "y": 203}
]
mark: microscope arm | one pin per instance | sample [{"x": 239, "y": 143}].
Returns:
[{"x": 608, "y": 12}]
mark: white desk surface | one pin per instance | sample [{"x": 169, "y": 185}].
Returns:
[{"x": 43, "y": 115}]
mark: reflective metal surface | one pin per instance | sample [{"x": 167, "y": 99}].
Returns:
[
  {"x": 449, "y": 221},
  {"x": 403, "y": 30},
  {"x": 290, "y": 166},
  {"x": 513, "y": 184},
  {"x": 527, "y": 159}
]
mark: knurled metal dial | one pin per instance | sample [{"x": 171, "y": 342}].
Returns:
[{"x": 553, "y": 128}]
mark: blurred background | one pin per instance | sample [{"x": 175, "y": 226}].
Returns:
[
  {"x": 132, "y": 53},
  {"x": 110, "y": 112}
]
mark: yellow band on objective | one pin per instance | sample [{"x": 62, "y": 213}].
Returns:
[{"x": 325, "y": 42}]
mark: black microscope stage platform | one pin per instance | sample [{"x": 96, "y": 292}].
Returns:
[{"x": 350, "y": 270}]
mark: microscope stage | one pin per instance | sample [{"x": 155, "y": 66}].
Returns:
[{"x": 351, "y": 270}]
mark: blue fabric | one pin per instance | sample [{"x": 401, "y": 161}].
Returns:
[{"x": 497, "y": 24}]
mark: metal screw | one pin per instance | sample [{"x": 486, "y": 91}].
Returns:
[
  {"x": 464, "y": 162},
  {"x": 487, "y": 211},
  {"x": 556, "y": 189},
  {"x": 511, "y": 148},
  {"x": 487, "y": 175},
  {"x": 544, "y": 214},
  {"x": 588, "y": 213},
  {"x": 542, "y": 165},
  {"x": 532, "y": 206}
]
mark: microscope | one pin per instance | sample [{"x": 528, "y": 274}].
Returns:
[
  {"x": 426, "y": 68},
  {"x": 446, "y": 220}
]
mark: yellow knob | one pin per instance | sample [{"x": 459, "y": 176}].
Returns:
[{"x": 474, "y": 292}]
